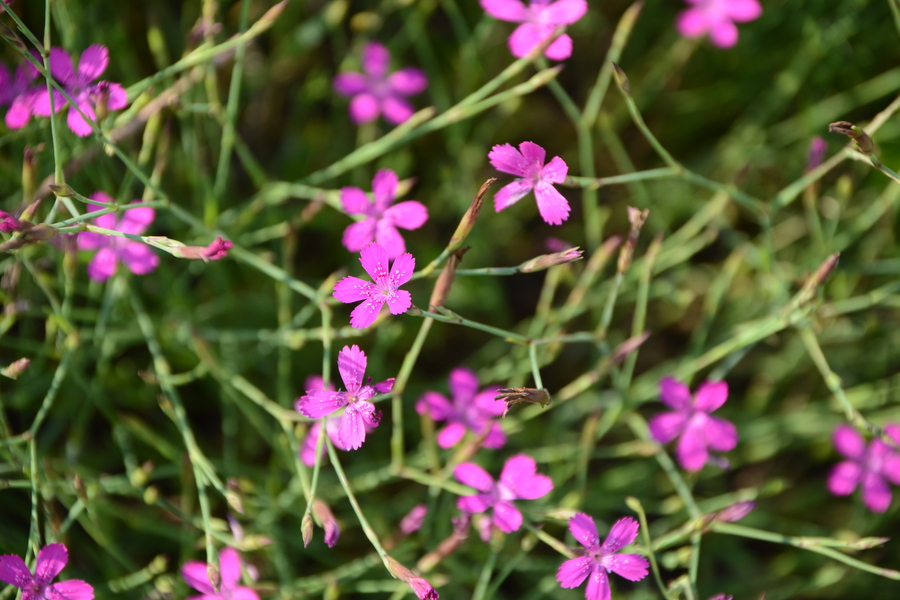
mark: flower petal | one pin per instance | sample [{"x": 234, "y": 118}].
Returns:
[
  {"x": 692, "y": 23},
  {"x": 318, "y": 403},
  {"x": 724, "y": 34},
  {"x": 195, "y": 575},
  {"x": 507, "y": 159},
  {"x": 396, "y": 109},
  {"x": 61, "y": 67},
  {"x": 375, "y": 261},
  {"x": 721, "y": 435},
  {"x": 622, "y": 533},
  {"x": 230, "y": 567},
  {"x": 408, "y": 82},
  {"x": 495, "y": 437},
  {"x": 511, "y": 193},
  {"x": 359, "y": 234},
  {"x": 555, "y": 171},
  {"x": 665, "y": 427},
  {"x": 14, "y": 571},
  {"x": 486, "y": 403},
  {"x": 375, "y": 59},
  {"x": 691, "y": 449},
  {"x": 399, "y": 302},
  {"x": 73, "y": 589},
  {"x": 76, "y": 122},
  {"x": 743, "y": 10},
  {"x": 118, "y": 97},
  {"x": 353, "y": 289},
  {"x": 385, "y": 386},
  {"x": 364, "y": 108},
  {"x": 507, "y": 517},
  {"x": 585, "y": 531},
  {"x": 564, "y": 12},
  {"x": 519, "y": 475},
  {"x": 355, "y": 201},
  {"x": 350, "y": 83},
  {"x": 402, "y": 269},
  {"x": 450, "y": 435},
  {"x": 245, "y": 593},
  {"x": 310, "y": 442},
  {"x": 475, "y": 504},
  {"x": 598, "y": 586},
  {"x": 387, "y": 236},
  {"x": 473, "y": 476},
  {"x": 93, "y": 62},
  {"x": 463, "y": 385},
  {"x": 632, "y": 567},
  {"x": 103, "y": 265},
  {"x": 136, "y": 220},
  {"x": 410, "y": 214},
  {"x": 525, "y": 37},
  {"x": 532, "y": 154},
  {"x": 573, "y": 572},
  {"x": 352, "y": 432},
  {"x": 384, "y": 188},
  {"x": 844, "y": 478},
  {"x": 138, "y": 257},
  {"x": 352, "y": 367},
  {"x": 711, "y": 395},
  {"x": 19, "y": 112},
  {"x": 436, "y": 405},
  {"x": 505, "y": 10},
  {"x": 875, "y": 492},
  {"x": 849, "y": 442},
  {"x": 365, "y": 314},
  {"x": 674, "y": 394},
  {"x": 552, "y": 205},
  {"x": 560, "y": 48}
]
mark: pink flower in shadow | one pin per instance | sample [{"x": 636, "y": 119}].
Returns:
[
  {"x": 36, "y": 586},
  {"x": 376, "y": 92},
  {"x": 519, "y": 480},
  {"x": 470, "y": 410},
  {"x": 382, "y": 219},
  {"x": 384, "y": 287},
  {"x": 871, "y": 466},
  {"x": 538, "y": 20},
  {"x": 196, "y": 575},
  {"x": 691, "y": 420},
  {"x": 17, "y": 91},
  {"x": 138, "y": 257},
  {"x": 717, "y": 18},
  {"x": 528, "y": 164},
  {"x": 600, "y": 559}
]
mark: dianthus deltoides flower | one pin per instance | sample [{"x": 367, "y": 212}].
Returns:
[
  {"x": 50, "y": 561},
  {"x": 717, "y": 18},
  {"x": 600, "y": 559},
  {"x": 196, "y": 575},
  {"x": 375, "y": 92},
  {"x": 691, "y": 420},
  {"x": 470, "y": 410},
  {"x": 382, "y": 219},
  {"x": 359, "y": 412},
  {"x": 17, "y": 91},
  {"x": 384, "y": 287},
  {"x": 138, "y": 257},
  {"x": 528, "y": 164},
  {"x": 519, "y": 480},
  {"x": 871, "y": 466},
  {"x": 538, "y": 20}
]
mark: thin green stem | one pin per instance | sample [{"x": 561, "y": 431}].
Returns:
[{"x": 448, "y": 316}]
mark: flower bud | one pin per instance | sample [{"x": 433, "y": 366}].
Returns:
[
  {"x": 326, "y": 518},
  {"x": 736, "y": 512},
  {"x": 215, "y": 577},
  {"x": 468, "y": 221},
  {"x": 863, "y": 142},
  {"x": 16, "y": 368},
  {"x": 636, "y": 218},
  {"x": 515, "y": 395},
  {"x": 63, "y": 190},
  {"x": 445, "y": 279},
  {"x": 423, "y": 589},
  {"x": 8, "y": 223},
  {"x": 413, "y": 519},
  {"x": 621, "y": 79},
  {"x": 306, "y": 529},
  {"x": 545, "y": 261}
]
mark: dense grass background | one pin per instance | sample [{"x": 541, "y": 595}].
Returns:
[{"x": 114, "y": 479}]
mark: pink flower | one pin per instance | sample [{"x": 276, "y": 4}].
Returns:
[
  {"x": 332, "y": 426},
  {"x": 534, "y": 175},
  {"x": 382, "y": 219},
  {"x": 538, "y": 20},
  {"x": 8, "y": 222},
  {"x": 519, "y": 480},
  {"x": 691, "y": 420},
  {"x": 469, "y": 410},
  {"x": 598, "y": 560},
  {"x": 816, "y": 153},
  {"x": 375, "y": 92},
  {"x": 413, "y": 520},
  {"x": 50, "y": 561},
  {"x": 78, "y": 85},
  {"x": 871, "y": 466},
  {"x": 385, "y": 288},
  {"x": 18, "y": 93},
  {"x": 718, "y": 18},
  {"x": 196, "y": 576},
  {"x": 138, "y": 257},
  {"x": 359, "y": 412}
]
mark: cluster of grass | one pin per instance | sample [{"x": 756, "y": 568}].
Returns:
[{"x": 156, "y": 406}]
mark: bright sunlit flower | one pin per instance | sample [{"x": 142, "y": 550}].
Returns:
[
  {"x": 385, "y": 288},
  {"x": 717, "y": 18},
  {"x": 36, "y": 586},
  {"x": 528, "y": 164},
  {"x": 538, "y": 20}
]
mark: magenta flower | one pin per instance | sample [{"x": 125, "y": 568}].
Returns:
[
  {"x": 359, "y": 412},
  {"x": 691, "y": 420},
  {"x": 138, "y": 257},
  {"x": 385, "y": 288},
  {"x": 872, "y": 467},
  {"x": 332, "y": 426},
  {"x": 413, "y": 520},
  {"x": 78, "y": 85},
  {"x": 196, "y": 576},
  {"x": 718, "y": 18},
  {"x": 538, "y": 20},
  {"x": 18, "y": 92},
  {"x": 375, "y": 92},
  {"x": 469, "y": 410},
  {"x": 533, "y": 175},
  {"x": 599, "y": 559},
  {"x": 382, "y": 219},
  {"x": 50, "y": 561},
  {"x": 519, "y": 480}
]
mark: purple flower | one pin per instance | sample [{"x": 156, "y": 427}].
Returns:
[
  {"x": 78, "y": 85},
  {"x": 138, "y": 257},
  {"x": 718, "y": 18},
  {"x": 385, "y": 288},
  {"x": 871, "y": 466},
  {"x": 382, "y": 219},
  {"x": 538, "y": 20},
  {"x": 691, "y": 420},
  {"x": 359, "y": 412},
  {"x": 519, "y": 480},
  {"x": 50, "y": 561},
  {"x": 324, "y": 515},
  {"x": 469, "y": 410},
  {"x": 332, "y": 426},
  {"x": 18, "y": 93},
  {"x": 196, "y": 575},
  {"x": 598, "y": 560},
  {"x": 534, "y": 175},
  {"x": 375, "y": 92}
]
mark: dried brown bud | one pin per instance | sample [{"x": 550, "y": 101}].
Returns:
[
  {"x": 863, "y": 142},
  {"x": 515, "y": 395},
  {"x": 468, "y": 221},
  {"x": 445, "y": 279}
]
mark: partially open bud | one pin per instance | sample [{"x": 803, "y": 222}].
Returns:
[
  {"x": 413, "y": 519},
  {"x": 306, "y": 529},
  {"x": 63, "y": 190},
  {"x": 419, "y": 585},
  {"x": 215, "y": 577},
  {"x": 8, "y": 223},
  {"x": 468, "y": 221},
  {"x": 16, "y": 368},
  {"x": 100, "y": 96},
  {"x": 545, "y": 261},
  {"x": 217, "y": 249},
  {"x": 736, "y": 512},
  {"x": 326, "y": 518},
  {"x": 515, "y": 395},
  {"x": 863, "y": 142}
]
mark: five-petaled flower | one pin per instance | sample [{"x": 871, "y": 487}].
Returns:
[
  {"x": 692, "y": 421},
  {"x": 50, "y": 561},
  {"x": 718, "y": 18},
  {"x": 138, "y": 257},
  {"x": 519, "y": 480},
  {"x": 538, "y": 20},
  {"x": 196, "y": 575},
  {"x": 871, "y": 466},
  {"x": 385, "y": 288},
  {"x": 599, "y": 559},
  {"x": 17, "y": 91},
  {"x": 382, "y": 219},
  {"x": 359, "y": 412},
  {"x": 469, "y": 410},
  {"x": 533, "y": 175},
  {"x": 375, "y": 92},
  {"x": 332, "y": 426},
  {"x": 87, "y": 96}
]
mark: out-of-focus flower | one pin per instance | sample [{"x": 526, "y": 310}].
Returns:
[
  {"x": 196, "y": 575},
  {"x": 599, "y": 559},
  {"x": 138, "y": 257},
  {"x": 528, "y": 164},
  {"x": 9, "y": 223},
  {"x": 519, "y": 480},
  {"x": 419, "y": 585},
  {"x": 413, "y": 519},
  {"x": 376, "y": 92},
  {"x": 359, "y": 412},
  {"x": 15, "y": 368},
  {"x": 18, "y": 93},
  {"x": 871, "y": 466},
  {"x": 385, "y": 288},
  {"x": 736, "y": 512},
  {"x": 324, "y": 515},
  {"x": 717, "y": 18},
  {"x": 538, "y": 20},
  {"x": 691, "y": 420},
  {"x": 36, "y": 586},
  {"x": 470, "y": 410},
  {"x": 816, "y": 153},
  {"x": 382, "y": 219}
]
